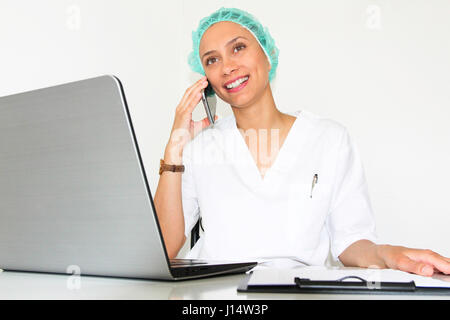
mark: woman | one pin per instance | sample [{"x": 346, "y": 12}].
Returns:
[{"x": 305, "y": 196}]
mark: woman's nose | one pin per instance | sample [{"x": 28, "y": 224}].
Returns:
[{"x": 229, "y": 65}]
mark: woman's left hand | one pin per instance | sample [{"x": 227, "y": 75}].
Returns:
[{"x": 423, "y": 262}]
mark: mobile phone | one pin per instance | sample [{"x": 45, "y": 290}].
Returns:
[{"x": 209, "y": 100}]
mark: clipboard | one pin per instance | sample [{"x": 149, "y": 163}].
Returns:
[{"x": 357, "y": 285}]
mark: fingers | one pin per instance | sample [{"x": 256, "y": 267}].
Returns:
[
  {"x": 202, "y": 124},
  {"x": 183, "y": 125},
  {"x": 195, "y": 99},
  {"x": 406, "y": 264},
  {"x": 192, "y": 102},
  {"x": 193, "y": 94},
  {"x": 198, "y": 126},
  {"x": 205, "y": 122},
  {"x": 429, "y": 257},
  {"x": 189, "y": 90}
]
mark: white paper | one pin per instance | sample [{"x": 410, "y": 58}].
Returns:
[{"x": 372, "y": 276}]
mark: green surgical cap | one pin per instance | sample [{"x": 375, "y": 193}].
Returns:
[{"x": 246, "y": 20}]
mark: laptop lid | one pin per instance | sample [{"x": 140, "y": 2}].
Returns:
[{"x": 73, "y": 190}]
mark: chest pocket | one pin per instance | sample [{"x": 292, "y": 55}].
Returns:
[{"x": 308, "y": 201}]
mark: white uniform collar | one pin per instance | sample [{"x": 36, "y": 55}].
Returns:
[{"x": 236, "y": 153}]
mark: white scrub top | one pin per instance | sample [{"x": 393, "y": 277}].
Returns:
[{"x": 248, "y": 217}]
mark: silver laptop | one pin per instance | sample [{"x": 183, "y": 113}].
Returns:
[{"x": 73, "y": 190}]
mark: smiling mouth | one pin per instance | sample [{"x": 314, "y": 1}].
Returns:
[{"x": 239, "y": 86}]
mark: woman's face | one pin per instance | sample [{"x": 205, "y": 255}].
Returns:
[{"x": 228, "y": 52}]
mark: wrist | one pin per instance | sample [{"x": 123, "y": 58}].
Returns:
[
  {"x": 173, "y": 155},
  {"x": 381, "y": 254}
]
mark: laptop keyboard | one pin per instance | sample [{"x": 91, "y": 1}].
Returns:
[
  {"x": 205, "y": 269},
  {"x": 186, "y": 262}
]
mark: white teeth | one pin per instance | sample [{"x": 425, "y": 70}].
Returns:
[{"x": 236, "y": 83}]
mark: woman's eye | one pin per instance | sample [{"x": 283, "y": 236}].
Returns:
[
  {"x": 207, "y": 61},
  {"x": 240, "y": 46}
]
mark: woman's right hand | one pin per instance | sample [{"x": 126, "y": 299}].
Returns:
[{"x": 184, "y": 128}]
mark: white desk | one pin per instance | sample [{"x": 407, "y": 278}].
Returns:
[{"x": 21, "y": 285}]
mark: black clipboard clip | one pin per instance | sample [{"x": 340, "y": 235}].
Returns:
[{"x": 361, "y": 284}]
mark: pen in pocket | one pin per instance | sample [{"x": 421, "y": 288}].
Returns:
[{"x": 315, "y": 179}]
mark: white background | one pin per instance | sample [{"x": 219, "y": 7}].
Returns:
[{"x": 381, "y": 68}]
